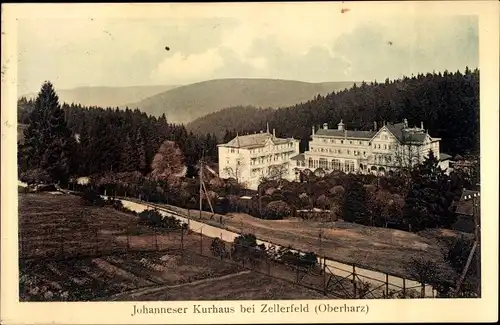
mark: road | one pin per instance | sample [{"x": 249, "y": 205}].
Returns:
[{"x": 375, "y": 278}]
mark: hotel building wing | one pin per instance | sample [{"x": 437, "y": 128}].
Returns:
[
  {"x": 381, "y": 149},
  {"x": 249, "y": 158}
]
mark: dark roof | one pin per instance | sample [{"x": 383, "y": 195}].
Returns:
[
  {"x": 444, "y": 156},
  {"x": 254, "y": 140},
  {"x": 403, "y": 135},
  {"x": 298, "y": 157},
  {"x": 464, "y": 205},
  {"x": 346, "y": 134}
]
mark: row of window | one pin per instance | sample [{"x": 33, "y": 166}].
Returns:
[
  {"x": 276, "y": 157},
  {"x": 338, "y": 151},
  {"x": 346, "y": 141},
  {"x": 281, "y": 146},
  {"x": 334, "y": 164}
]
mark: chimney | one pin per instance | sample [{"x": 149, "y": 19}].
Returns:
[
  {"x": 422, "y": 125},
  {"x": 313, "y": 130},
  {"x": 405, "y": 123},
  {"x": 274, "y": 133},
  {"x": 375, "y": 125},
  {"x": 325, "y": 126},
  {"x": 340, "y": 126},
  {"x": 267, "y": 124}
]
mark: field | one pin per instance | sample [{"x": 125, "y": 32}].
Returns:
[
  {"x": 72, "y": 252},
  {"x": 384, "y": 250}
]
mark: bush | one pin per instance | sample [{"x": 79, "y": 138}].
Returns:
[
  {"x": 218, "y": 248},
  {"x": 245, "y": 248},
  {"x": 155, "y": 219},
  {"x": 277, "y": 210},
  {"x": 35, "y": 176},
  {"x": 91, "y": 197}
]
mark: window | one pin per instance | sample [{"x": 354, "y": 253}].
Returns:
[
  {"x": 360, "y": 142},
  {"x": 385, "y": 146},
  {"x": 348, "y": 152},
  {"x": 342, "y": 141},
  {"x": 336, "y": 164},
  {"x": 350, "y": 142},
  {"x": 227, "y": 162},
  {"x": 232, "y": 150},
  {"x": 364, "y": 153}
]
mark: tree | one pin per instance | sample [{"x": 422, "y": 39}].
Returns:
[
  {"x": 355, "y": 203},
  {"x": 168, "y": 162},
  {"x": 49, "y": 144},
  {"x": 277, "y": 210}
]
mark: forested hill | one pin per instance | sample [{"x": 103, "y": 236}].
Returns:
[
  {"x": 447, "y": 103},
  {"x": 187, "y": 103},
  {"x": 106, "y": 96}
]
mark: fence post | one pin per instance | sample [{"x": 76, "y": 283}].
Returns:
[
  {"x": 62, "y": 245},
  {"x": 201, "y": 241},
  {"x": 182, "y": 241},
  {"x": 324, "y": 275},
  {"x": 97, "y": 242},
  {"x": 387, "y": 284},
  {"x": 422, "y": 291},
  {"x": 404, "y": 288},
  {"x": 354, "y": 280},
  {"x": 156, "y": 238},
  {"x": 128, "y": 238}
]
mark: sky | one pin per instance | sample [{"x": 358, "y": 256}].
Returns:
[{"x": 306, "y": 42}]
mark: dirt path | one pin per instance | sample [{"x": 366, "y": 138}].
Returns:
[{"x": 147, "y": 290}]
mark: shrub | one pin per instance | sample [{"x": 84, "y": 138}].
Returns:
[
  {"x": 218, "y": 248},
  {"x": 91, "y": 197},
  {"x": 245, "y": 248},
  {"x": 277, "y": 210}
]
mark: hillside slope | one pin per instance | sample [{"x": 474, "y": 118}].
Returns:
[
  {"x": 187, "y": 103},
  {"x": 106, "y": 96}
]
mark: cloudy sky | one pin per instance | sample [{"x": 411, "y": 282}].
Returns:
[{"x": 307, "y": 42}]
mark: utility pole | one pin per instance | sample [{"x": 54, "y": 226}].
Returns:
[
  {"x": 475, "y": 246},
  {"x": 201, "y": 181}
]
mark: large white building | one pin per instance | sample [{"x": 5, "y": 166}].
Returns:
[
  {"x": 379, "y": 150},
  {"x": 249, "y": 158}
]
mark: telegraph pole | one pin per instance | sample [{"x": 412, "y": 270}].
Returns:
[{"x": 475, "y": 246}]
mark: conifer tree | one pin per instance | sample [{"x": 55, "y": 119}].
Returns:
[{"x": 49, "y": 144}]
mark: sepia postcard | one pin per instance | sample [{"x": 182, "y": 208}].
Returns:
[{"x": 225, "y": 163}]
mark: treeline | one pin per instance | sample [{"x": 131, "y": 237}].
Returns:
[
  {"x": 98, "y": 140},
  {"x": 447, "y": 103}
]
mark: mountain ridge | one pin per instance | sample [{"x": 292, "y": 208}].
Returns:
[
  {"x": 186, "y": 103},
  {"x": 106, "y": 96}
]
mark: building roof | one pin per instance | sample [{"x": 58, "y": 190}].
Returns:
[
  {"x": 444, "y": 156},
  {"x": 299, "y": 157},
  {"x": 255, "y": 140},
  {"x": 405, "y": 135},
  {"x": 465, "y": 204},
  {"x": 346, "y": 134},
  {"x": 398, "y": 130}
]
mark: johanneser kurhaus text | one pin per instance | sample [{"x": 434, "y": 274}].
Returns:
[
  {"x": 381, "y": 149},
  {"x": 252, "y": 157}
]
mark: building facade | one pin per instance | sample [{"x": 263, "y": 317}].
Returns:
[
  {"x": 377, "y": 151},
  {"x": 250, "y": 158}
]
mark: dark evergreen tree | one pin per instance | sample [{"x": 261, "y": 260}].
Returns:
[
  {"x": 355, "y": 203},
  {"x": 49, "y": 145}
]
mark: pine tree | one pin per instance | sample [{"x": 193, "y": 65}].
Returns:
[
  {"x": 49, "y": 144},
  {"x": 355, "y": 203}
]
